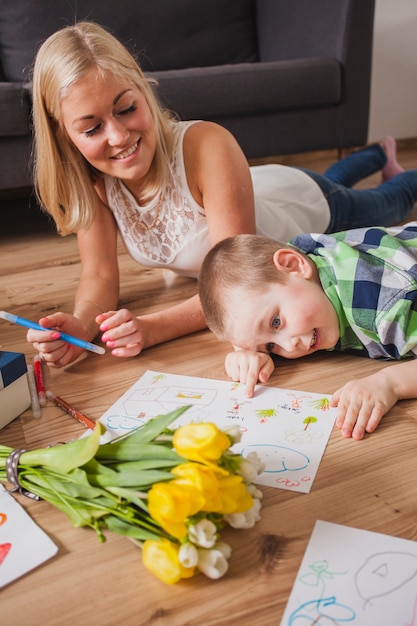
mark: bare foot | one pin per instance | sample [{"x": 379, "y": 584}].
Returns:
[{"x": 392, "y": 167}]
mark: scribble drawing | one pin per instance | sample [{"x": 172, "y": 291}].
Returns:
[
  {"x": 279, "y": 458},
  {"x": 322, "y": 612},
  {"x": 4, "y": 551},
  {"x": 265, "y": 414},
  {"x": 189, "y": 395},
  {"x": 319, "y": 574},
  {"x": 384, "y": 573},
  {"x": 309, "y": 420},
  {"x": 123, "y": 422},
  {"x": 321, "y": 404},
  {"x": 300, "y": 436},
  {"x": 157, "y": 378},
  {"x": 296, "y": 403}
]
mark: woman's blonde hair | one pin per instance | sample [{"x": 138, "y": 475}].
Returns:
[
  {"x": 64, "y": 180},
  {"x": 244, "y": 262}
]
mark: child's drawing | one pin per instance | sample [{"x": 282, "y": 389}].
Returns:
[
  {"x": 23, "y": 545},
  {"x": 354, "y": 576},
  {"x": 289, "y": 429}
]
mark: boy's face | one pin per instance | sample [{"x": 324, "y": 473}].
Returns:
[{"x": 290, "y": 319}]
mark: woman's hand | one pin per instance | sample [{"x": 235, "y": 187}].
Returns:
[
  {"x": 53, "y": 350},
  {"x": 249, "y": 367},
  {"x": 122, "y": 332}
]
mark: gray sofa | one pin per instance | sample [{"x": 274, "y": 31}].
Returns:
[{"x": 284, "y": 76}]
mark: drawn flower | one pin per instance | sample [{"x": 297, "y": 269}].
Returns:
[{"x": 170, "y": 491}]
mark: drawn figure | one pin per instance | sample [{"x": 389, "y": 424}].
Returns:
[
  {"x": 296, "y": 403},
  {"x": 4, "y": 551},
  {"x": 265, "y": 414},
  {"x": 322, "y": 404},
  {"x": 3, "y": 518},
  {"x": 384, "y": 573},
  {"x": 190, "y": 395},
  {"x": 322, "y": 612},
  {"x": 309, "y": 420},
  {"x": 303, "y": 436},
  {"x": 157, "y": 378},
  {"x": 320, "y": 573},
  {"x": 279, "y": 458},
  {"x": 122, "y": 422}
]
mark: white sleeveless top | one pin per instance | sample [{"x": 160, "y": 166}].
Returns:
[{"x": 287, "y": 203}]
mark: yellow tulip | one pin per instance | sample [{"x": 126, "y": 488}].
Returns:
[
  {"x": 161, "y": 558},
  {"x": 201, "y": 477},
  {"x": 202, "y": 442},
  {"x": 170, "y": 504},
  {"x": 234, "y": 495}
]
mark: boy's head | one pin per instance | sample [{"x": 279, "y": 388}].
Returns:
[{"x": 264, "y": 296}]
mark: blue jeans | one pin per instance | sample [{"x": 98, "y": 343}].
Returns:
[{"x": 385, "y": 205}]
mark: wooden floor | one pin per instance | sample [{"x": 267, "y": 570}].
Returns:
[{"x": 368, "y": 484}]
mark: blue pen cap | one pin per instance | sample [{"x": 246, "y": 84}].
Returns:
[{"x": 12, "y": 366}]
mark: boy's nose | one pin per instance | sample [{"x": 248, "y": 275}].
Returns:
[{"x": 290, "y": 343}]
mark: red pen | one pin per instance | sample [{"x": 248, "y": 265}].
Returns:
[
  {"x": 71, "y": 410},
  {"x": 40, "y": 385}
]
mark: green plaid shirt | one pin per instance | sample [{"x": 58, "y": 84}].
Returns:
[{"x": 370, "y": 276}]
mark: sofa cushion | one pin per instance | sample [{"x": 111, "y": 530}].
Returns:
[
  {"x": 164, "y": 34},
  {"x": 248, "y": 88},
  {"x": 14, "y": 110}
]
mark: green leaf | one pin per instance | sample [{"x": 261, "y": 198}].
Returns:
[
  {"x": 124, "y": 447},
  {"x": 137, "y": 480},
  {"x": 67, "y": 456},
  {"x": 120, "y": 527}
]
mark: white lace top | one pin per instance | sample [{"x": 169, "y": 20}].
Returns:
[{"x": 287, "y": 202}]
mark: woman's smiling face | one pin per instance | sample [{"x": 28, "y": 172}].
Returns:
[
  {"x": 109, "y": 121},
  {"x": 292, "y": 319}
]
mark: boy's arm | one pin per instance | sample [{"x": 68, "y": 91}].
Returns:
[
  {"x": 362, "y": 403},
  {"x": 249, "y": 367}
]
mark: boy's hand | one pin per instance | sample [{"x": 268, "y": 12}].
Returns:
[
  {"x": 362, "y": 403},
  {"x": 249, "y": 368}
]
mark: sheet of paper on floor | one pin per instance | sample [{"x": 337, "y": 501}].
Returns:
[
  {"x": 353, "y": 576},
  {"x": 288, "y": 429},
  {"x": 23, "y": 545}
]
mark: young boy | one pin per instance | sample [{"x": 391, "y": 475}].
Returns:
[{"x": 353, "y": 291}]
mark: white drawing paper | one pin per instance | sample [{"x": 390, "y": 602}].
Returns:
[
  {"x": 352, "y": 576},
  {"x": 288, "y": 429},
  {"x": 23, "y": 545}
]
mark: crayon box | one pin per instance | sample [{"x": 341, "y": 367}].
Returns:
[{"x": 14, "y": 388}]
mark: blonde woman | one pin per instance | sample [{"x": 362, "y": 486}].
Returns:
[{"x": 109, "y": 159}]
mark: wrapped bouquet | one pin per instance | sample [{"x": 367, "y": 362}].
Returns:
[{"x": 171, "y": 491}]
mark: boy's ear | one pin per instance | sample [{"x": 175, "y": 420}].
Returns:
[{"x": 288, "y": 260}]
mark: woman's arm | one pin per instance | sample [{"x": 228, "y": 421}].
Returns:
[
  {"x": 219, "y": 179},
  {"x": 97, "y": 290}
]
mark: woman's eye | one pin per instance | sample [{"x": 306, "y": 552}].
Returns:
[
  {"x": 270, "y": 346},
  {"x": 92, "y": 131},
  {"x": 276, "y": 322},
  {"x": 128, "y": 110}
]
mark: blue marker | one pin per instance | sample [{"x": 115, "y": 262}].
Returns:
[{"x": 69, "y": 338}]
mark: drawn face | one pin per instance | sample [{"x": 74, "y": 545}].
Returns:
[
  {"x": 291, "y": 319},
  {"x": 109, "y": 121}
]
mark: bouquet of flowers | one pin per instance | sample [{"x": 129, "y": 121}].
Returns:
[{"x": 171, "y": 491}]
